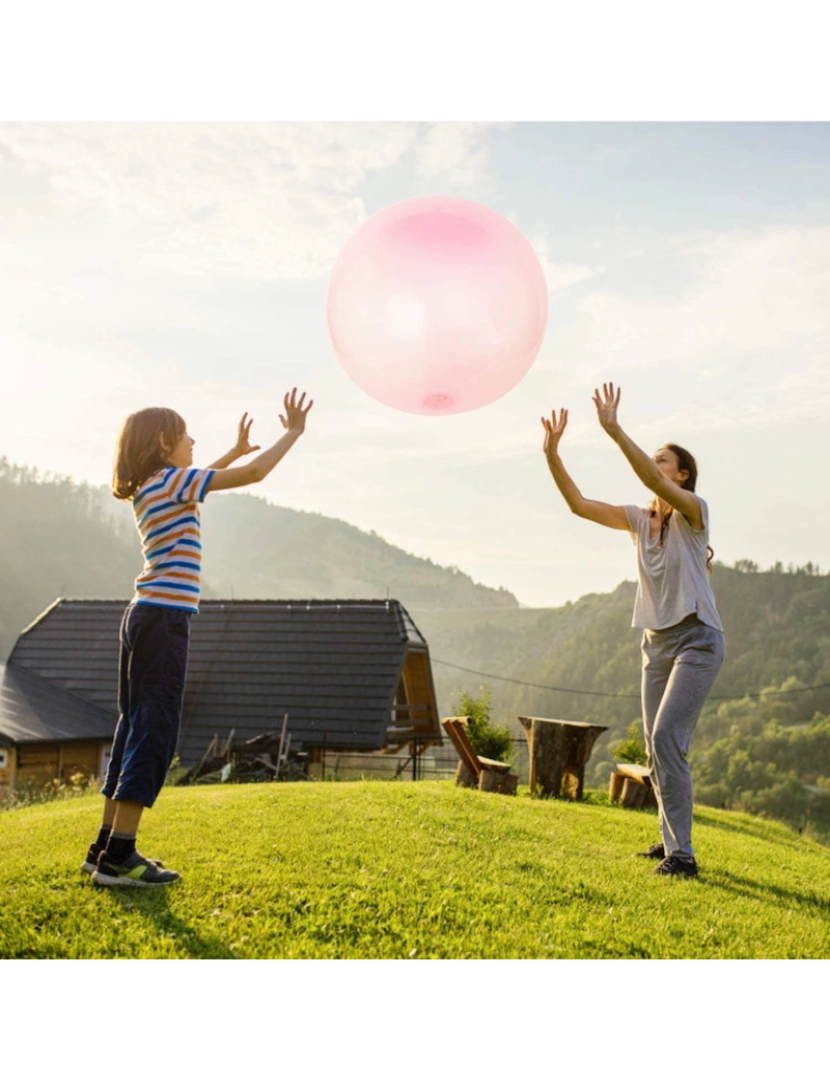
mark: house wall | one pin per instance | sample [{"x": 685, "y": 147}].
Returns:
[
  {"x": 7, "y": 770},
  {"x": 421, "y": 695},
  {"x": 39, "y": 764}
]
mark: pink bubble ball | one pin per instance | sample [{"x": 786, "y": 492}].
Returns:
[{"x": 437, "y": 306}]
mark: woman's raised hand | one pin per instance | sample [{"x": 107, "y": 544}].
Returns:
[
  {"x": 607, "y": 407},
  {"x": 295, "y": 414},
  {"x": 553, "y": 430}
]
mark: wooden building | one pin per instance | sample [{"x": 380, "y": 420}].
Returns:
[
  {"x": 47, "y": 733},
  {"x": 352, "y": 675}
]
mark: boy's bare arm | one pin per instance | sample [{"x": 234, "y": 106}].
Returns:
[{"x": 261, "y": 466}]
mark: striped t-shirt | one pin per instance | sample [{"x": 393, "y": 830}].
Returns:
[{"x": 166, "y": 510}]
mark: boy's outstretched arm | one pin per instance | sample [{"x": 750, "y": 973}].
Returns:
[{"x": 258, "y": 469}]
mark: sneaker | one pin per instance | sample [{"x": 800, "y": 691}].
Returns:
[
  {"x": 656, "y": 851},
  {"x": 89, "y": 865},
  {"x": 675, "y": 866},
  {"x": 134, "y": 871}
]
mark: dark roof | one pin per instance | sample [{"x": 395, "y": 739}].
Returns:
[
  {"x": 333, "y": 666},
  {"x": 34, "y": 710}
]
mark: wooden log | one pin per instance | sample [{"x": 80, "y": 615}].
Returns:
[
  {"x": 556, "y": 749},
  {"x": 650, "y": 802},
  {"x": 615, "y": 786},
  {"x": 464, "y": 776},
  {"x": 643, "y": 774},
  {"x": 489, "y": 781},
  {"x": 500, "y": 783},
  {"x": 633, "y": 794}
]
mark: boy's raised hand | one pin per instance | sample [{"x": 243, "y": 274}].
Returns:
[
  {"x": 243, "y": 439},
  {"x": 295, "y": 414}
]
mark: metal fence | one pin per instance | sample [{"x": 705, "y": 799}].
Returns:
[{"x": 432, "y": 763}]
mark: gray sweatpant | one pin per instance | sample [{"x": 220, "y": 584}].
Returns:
[{"x": 680, "y": 664}]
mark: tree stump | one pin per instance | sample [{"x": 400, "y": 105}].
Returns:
[
  {"x": 558, "y": 751},
  {"x": 501, "y": 783},
  {"x": 637, "y": 774},
  {"x": 633, "y": 794},
  {"x": 615, "y": 786}
]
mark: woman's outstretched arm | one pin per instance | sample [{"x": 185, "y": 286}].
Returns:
[
  {"x": 686, "y": 502},
  {"x": 600, "y": 512}
]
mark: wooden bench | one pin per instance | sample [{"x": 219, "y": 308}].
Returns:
[
  {"x": 630, "y": 785},
  {"x": 474, "y": 771},
  {"x": 558, "y": 752}
]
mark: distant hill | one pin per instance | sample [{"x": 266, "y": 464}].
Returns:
[
  {"x": 767, "y": 753},
  {"x": 777, "y": 627},
  {"x": 59, "y": 538},
  {"x": 254, "y": 549}
]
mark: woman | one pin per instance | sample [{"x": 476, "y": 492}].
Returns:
[{"x": 682, "y": 646}]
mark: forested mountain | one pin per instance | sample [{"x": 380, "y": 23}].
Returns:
[
  {"x": 763, "y": 752},
  {"x": 766, "y": 753},
  {"x": 255, "y": 549},
  {"x": 59, "y": 538}
]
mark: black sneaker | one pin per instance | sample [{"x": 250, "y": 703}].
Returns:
[
  {"x": 90, "y": 864},
  {"x": 656, "y": 851},
  {"x": 134, "y": 871},
  {"x": 675, "y": 866}
]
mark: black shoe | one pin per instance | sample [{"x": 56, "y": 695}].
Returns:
[
  {"x": 675, "y": 866},
  {"x": 656, "y": 851},
  {"x": 90, "y": 864},
  {"x": 135, "y": 870}
]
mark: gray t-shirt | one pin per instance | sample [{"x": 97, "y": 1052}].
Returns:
[{"x": 673, "y": 579}]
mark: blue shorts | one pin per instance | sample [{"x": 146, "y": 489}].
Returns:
[{"x": 151, "y": 673}]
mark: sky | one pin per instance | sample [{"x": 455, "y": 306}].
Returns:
[{"x": 187, "y": 264}]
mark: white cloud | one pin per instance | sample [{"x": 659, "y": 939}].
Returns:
[
  {"x": 560, "y": 275},
  {"x": 745, "y": 328},
  {"x": 261, "y": 201},
  {"x": 454, "y": 153}
]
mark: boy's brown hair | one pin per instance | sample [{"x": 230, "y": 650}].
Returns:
[{"x": 138, "y": 452}]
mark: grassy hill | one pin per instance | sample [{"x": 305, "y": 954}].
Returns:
[{"x": 408, "y": 870}]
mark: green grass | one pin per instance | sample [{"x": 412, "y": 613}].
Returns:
[{"x": 397, "y": 870}]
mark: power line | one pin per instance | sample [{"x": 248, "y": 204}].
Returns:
[{"x": 632, "y": 697}]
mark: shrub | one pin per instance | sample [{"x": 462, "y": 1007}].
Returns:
[
  {"x": 488, "y": 739},
  {"x": 632, "y": 749}
]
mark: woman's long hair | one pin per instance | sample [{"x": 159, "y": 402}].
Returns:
[
  {"x": 138, "y": 452},
  {"x": 686, "y": 463}
]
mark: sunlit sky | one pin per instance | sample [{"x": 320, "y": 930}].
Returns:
[{"x": 186, "y": 264}]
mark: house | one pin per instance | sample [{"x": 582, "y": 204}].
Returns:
[
  {"x": 352, "y": 675},
  {"x": 47, "y": 732}
]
